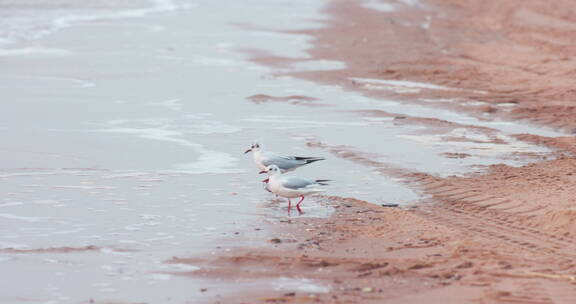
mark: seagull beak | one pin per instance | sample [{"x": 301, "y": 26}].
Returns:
[
  {"x": 247, "y": 151},
  {"x": 262, "y": 172}
]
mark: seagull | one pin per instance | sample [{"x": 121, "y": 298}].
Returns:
[
  {"x": 284, "y": 163},
  {"x": 289, "y": 186}
]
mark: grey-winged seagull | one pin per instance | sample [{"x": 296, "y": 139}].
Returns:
[
  {"x": 290, "y": 186},
  {"x": 285, "y": 163}
]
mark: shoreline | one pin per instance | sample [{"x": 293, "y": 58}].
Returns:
[
  {"x": 500, "y": 236},
  {"x": 470, "y": 48}
]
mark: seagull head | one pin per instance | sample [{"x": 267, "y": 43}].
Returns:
[
  {"x": 271, "y": 170},
  {"x": 254, "y": 147}
]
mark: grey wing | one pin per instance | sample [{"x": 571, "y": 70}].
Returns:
[
  {"x": 295, "y": 183},
  {"x": 283, "y": 162}
]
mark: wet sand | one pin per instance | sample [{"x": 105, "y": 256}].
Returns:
[{"x": 501, "y": 235}]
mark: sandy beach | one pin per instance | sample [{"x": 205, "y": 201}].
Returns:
[{"x": 447, "y": 128}]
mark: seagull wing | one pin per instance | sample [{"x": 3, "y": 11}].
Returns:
[
  {"x": 296, "y": 183},
  {"x": 283, "y": 162},
  {"x": 287, "y": 163}
]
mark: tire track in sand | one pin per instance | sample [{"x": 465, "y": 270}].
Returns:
[{"x": 476, "y": 213}]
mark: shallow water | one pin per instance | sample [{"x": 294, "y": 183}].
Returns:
[{"x": 124, "y": 137}]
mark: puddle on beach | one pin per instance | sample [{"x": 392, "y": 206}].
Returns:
[{"x": 115, "y": 159}]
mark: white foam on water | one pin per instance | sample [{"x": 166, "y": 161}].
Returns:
[
  {"x": 400, "y": 108},
  {"x": 23, "y": 218},
  {"x": 47, "y": 202},
  {"x": 176, "y": 131},
  {"x": 278, "y": 122},
  {"x": 199, "y": 123},
  {"x": 34, "y": 51},
  {"x": 411, "y": 2},
  {"x": 128, "y": 175},
  {"x": 43, "y": 81},
  {"x": 84, "y": 187},
  {"x": 38, "y": 24},
  {"x": 155, "y": 134},
  {"x": 319, "y": 65},
  {"x": 299, "y": 284},
  {"x": 463, "y": 140},
  {"x": 178, "y": 267},
  {"x": 440, "y": 100},
  {"x": 63, "y": 232},
  {"x": 404, "y": 86},
  {"x": 399, "y": 85},
  {"x": 11, "y": 204},
  {"x": 378, "y": 5}
]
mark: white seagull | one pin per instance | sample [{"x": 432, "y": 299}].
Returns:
[
  {"x": 289, "y": 186},
  {"x": 284, "y": 163}
]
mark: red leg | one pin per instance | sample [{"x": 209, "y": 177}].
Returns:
[
  {"x": 298, "y": 205},
  {"x": 289, "y": 205}
]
